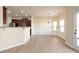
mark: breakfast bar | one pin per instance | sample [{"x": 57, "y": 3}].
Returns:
[{"x": 13, "y": 36}]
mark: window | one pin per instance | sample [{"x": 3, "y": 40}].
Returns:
[
  {"x": 61, "y": 25},
  {"x": 55, "y": 25}
]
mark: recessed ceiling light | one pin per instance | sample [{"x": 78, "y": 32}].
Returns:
[
  {"x": 9, "y": 11},
  {"x": 26, "y": 15},
  {"x": 16, "y": 15},
  {"x": 22, "y": 11}
]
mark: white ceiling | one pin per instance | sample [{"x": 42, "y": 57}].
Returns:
[{"x": 36, "y": 11}]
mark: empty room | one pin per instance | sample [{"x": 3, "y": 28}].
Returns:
[{"x": 39, "y": 29}]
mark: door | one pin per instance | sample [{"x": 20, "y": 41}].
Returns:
[{"x": 77, "y": 29}]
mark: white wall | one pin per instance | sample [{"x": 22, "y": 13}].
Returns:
[
  {"x": 1, "y": 16},
  {"x": 9, "y": 19},
  {"x": 40, "y": 26},
  {"x": 12, "y": 37},
  {"x": 69, "y": 26}
]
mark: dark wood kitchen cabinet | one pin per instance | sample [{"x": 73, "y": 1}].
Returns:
[
  {"x": 4, "y": 15},
  {"x": 22, "y": 22},
  {"x": 17, "y": 22},
  {"x": 29, "y": 23}
]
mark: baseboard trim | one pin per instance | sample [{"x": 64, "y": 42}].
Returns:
[
  {"x": 11, "y": 47},
  {"x": 68, "y": 45}
]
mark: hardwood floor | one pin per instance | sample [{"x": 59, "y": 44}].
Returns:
[{"x": 42, "y": 44}]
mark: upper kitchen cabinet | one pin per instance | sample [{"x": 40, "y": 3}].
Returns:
[{"x": 4, "y": 15}]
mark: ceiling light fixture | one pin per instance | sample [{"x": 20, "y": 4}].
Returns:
[
  {"x": 49, "y": 14},
  {"x": 16, "y": 15},
  {"x": 22, "y": 11},
  {"x": 9, "y": 11},
  {"x": 26, "y": 15}
]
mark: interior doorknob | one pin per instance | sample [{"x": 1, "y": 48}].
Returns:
[{"x": 75, "y": 32}]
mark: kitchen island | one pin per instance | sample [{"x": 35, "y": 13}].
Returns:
[{"x": 13, "y": 36}]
